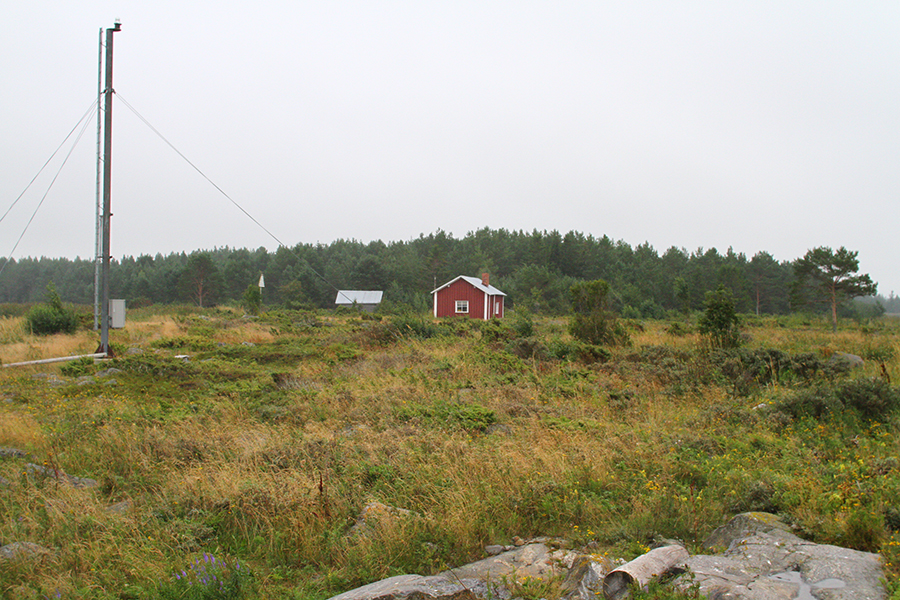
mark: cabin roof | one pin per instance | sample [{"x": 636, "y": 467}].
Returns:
[
  {"x": 359, "y": 297},
  {"x": 474, "y": 282}
]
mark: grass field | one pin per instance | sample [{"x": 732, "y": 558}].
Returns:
[{"x": 261, "y": 450}]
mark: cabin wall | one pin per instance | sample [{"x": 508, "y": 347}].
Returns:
[{"x": 445, "y": 300}]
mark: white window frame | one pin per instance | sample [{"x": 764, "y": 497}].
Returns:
[{"x": 462, "y": 307}]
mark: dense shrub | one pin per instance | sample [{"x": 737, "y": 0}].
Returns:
[
  {"x": 527, "y": 347},
  {"x": 864, "y": 530},
  {"x": 576, "y": 350},
  {"x": 873, "y": 398},
  {"x": 252, "y": 300},
  {"x": 51, "y": 317},
  {"x": 747, "y": 369},
  {"x": 450, "y": 415},
  {"x": 78, "y": 367},
  {"x": 413, "y": 326},
  {"x": 522, "y": 324},
  {"x": 668, "y": 365},
  {"x": 194, "y": 343},
  {"x": 13, "y": 310},
  {"x": 496, "y": 330},
  {"x": 719, "y": 323},
  {"x": 593, "y": 321},
  {"x": 814, "y": 402},
  {"x": 678, "y": 329}
]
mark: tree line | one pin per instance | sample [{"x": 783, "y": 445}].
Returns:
[{"x": 535, "y": 269}]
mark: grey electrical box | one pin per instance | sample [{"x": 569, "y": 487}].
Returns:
[{"x": 117, "y": 314}]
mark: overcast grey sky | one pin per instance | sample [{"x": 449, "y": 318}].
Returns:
[{"x": 758, "y": 125}]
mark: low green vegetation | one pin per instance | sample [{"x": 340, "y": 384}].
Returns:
[
  {"x": 52, "y": 316},
  {"x": 719, "y": 321},
  {"x": 246, "y": 449}
]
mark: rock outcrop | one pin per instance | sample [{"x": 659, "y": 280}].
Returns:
[
  {"x": 763, "y": 560},
  {"x": 760, "y": 559}
]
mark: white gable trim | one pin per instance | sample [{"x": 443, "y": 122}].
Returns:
[{"x": 474, "y": 282}]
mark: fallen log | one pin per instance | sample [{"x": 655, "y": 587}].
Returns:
[{"x": 617, "y": 584}]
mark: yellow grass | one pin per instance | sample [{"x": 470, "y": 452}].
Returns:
[
  {"x": 277, "y": 474},
  {"x": 33, "y": 347},
  {"x": 20, "y": 430}
]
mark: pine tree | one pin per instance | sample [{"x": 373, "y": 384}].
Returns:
[{"x": 829, "y": 277}]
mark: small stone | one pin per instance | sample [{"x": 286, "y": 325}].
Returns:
[
  {"x": 498, "y": 429},
  {"x": 82, "y": 482},
  {"x": 517, "y": 541},
  {"x": 34, "y": 470},
  {"x": 494, "y": 549},
  {"x": 850, "y": 361},
  {"x": 21, "y": 549},
  {"x": 11, "y": 453},
  {"x": 120, "y": 507},
  {"x": 375, "y": 512}
]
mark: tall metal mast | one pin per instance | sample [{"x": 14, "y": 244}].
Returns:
[
  {"x": 107, "y": 180},
  {"x": 98, "y": 217}
]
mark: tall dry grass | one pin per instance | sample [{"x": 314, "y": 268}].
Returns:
[
  {"x": 29, "y": 347},
  {"x": 269, "y": 451}
]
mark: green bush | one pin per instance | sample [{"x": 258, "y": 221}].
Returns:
[
  {"x": 593, "y": 322},
  {"x": 193, "y": 343},
  {"x": 816, "y": 403},
  {"x": 864, "y": 530},
  {"x": 719, "y": 322},
  {"x": 873, "y": 398},
  {"x": 750, "y": 369},
  {"x": 496, "y": 331},
  {"x": 415, "y": 327},
  {"x": 523, "y": 324},
  {"x": 9, "y": 309},
  {"x": 678, "y": 329},
  {"x": 575, "y": 350},
  {"x": 450, "y": 415},
  {"x": 78, "y": 367},
  {"x": 51, "y": 317},
  {"x": 526, "y": 347},
  {"x": 252, "y": 300}
]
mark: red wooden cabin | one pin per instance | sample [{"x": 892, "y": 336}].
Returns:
[{"x": 469, "y": 297}]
